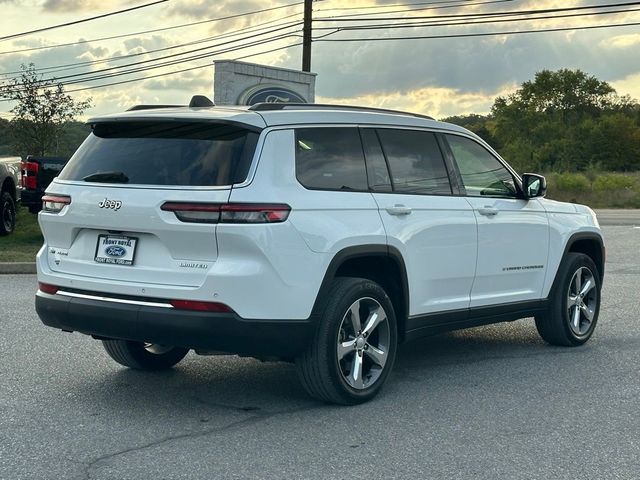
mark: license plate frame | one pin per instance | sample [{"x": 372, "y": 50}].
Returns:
[{"x": 119, "y": 243}]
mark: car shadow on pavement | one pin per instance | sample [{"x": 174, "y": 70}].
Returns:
[{"x": 247, "y": 384}]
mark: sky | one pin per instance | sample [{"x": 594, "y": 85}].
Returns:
[{"x": 438, "y": 77}]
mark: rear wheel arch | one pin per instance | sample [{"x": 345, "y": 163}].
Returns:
[{"x": 380, "y": 263}]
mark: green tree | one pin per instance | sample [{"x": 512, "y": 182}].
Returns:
[
  {"x": 549, "y": 124},
  {"x": 41, "y": 113}
]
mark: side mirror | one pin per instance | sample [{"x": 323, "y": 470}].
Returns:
[{"x": 534, "y": 185}]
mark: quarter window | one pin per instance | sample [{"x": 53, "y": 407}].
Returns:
[
  {"x": 483, "y": 175},
  {"x": 415, "y": 161},
  {"x": 330, "y": 158}
]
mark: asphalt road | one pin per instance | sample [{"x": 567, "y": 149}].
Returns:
[{"x": 488, "y": 403}]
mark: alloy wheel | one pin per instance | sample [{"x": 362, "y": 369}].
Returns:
[
  {"x": 582, "y": 301},
  {"x": 363, "y": 343}
]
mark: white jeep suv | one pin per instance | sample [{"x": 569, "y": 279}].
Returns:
[{"x": 324, "y": 235}]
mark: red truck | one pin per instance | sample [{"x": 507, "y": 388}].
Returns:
[{"x": 37, "y": 173}]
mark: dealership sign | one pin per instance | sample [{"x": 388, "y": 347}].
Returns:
[{"x": 269, "y": 94}]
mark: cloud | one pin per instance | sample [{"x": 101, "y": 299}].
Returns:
[
  {"x": 186, "y": 83},
  {"x": 622, "y": 41},
  {"x": 205, "y": 9},
  {"x": 438, "y": 102},
  {"x": 629, "y": 85},
  {"x": 63, "y": 6},
  {"x": 350, "y": 69}
]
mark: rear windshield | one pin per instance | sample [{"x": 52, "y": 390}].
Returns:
[{"x": 164, "y": 153}]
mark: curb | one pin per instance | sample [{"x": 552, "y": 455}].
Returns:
[{"x": 17, "y": 267}]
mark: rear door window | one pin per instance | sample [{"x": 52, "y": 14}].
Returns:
[
  {"x": 415, "y": 161},
  {"x": 164, "y": 153},
  {"x": 330, "y": 158}
]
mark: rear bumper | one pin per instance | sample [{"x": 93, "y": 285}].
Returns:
[{"x": 226, "y": 332}]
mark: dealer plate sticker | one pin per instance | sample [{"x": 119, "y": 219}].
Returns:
[{"x": 116, "y": 250}]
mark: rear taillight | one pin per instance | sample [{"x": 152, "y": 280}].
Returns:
[
  {"x": 228, "y": 212},
  {"x": 47, "y": 288},
  {"x": 194, "y": 212},
  {"x": 55, "y": 203},
  {"x": 201, "y": 306},
  {"x": 29, "y": 173},
  {"x": 254, "y": 213}
]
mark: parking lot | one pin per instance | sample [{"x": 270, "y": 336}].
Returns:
[{"x": 493, "y": 402}]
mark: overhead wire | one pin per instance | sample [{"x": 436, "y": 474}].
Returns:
[
  {"x": 154, "y": 30},
  {"x": 75, "y": 22},
  {"x": 408, "y": 10},
  {"x": 393, "y": 5},
  {"x": 490, "y": 14},
  {"x": 177, "y": 62},
  {"x": 66, "y": 78},
  {"x": 434, "y": 20},
  {"x": 477, "y": 34},
  {"x": 181, "y": 71},
  {"x": 473, "y": 21},
  {"x": 72, "y": 66}
]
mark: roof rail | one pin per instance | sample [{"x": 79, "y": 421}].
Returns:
[
  {"x": 265, "y": 107},
  {"x": 196, "y": 101},
  {"x": 151, "y": 107}
]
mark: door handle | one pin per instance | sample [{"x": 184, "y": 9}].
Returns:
[
  {"x": 488, "y": 211},
  {"x": 398, "y": 210}
]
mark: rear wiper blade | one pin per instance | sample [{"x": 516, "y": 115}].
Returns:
[{"x": 108, "y": 177}]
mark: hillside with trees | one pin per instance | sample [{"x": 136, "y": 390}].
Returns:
[{"x": 562, "y": 121}]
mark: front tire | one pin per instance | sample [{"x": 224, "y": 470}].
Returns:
[
  {"x": 7, "y": 214},
  {"x": 355, "y": 343},
  {"x": 574, "y": 303},
  {"x": 144, "y": 356}
]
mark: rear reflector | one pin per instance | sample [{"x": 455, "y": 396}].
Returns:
[
  {"x": 228, "y": 212},
  {"x": 200, "y": 306},
  {"x": 55, "y": 203},
  {"x": 47, "y": 288}
]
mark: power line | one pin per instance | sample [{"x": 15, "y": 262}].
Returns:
[
  {"x": 489, "y": 14},
  {"x": 72, "y": 66},
  {"x": 97, "y": 75},
  {"x": 177, "y": 62},
  {"x": 181, "y": 71},
  {"x": 473, "y": 21},
  {"x": 75, "y": 22},
  {"x": 165, "y": 74},
  {"x": 390, "y": 6},
  {"x": 483, "y": 34},
  {"x": 468, "y": 3},
  {"x": 124, "y": 35},
  {"x": 164, "y": 57}
]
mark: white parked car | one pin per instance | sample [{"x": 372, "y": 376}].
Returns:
[
  {"x": 10, "y": 192},
  {"x": 324, "y": 235}
]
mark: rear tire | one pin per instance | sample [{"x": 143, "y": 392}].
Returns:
[
  {"x": 143, "y": 356},
  {"x": 7, "y": 214},
  {"x": 574, "y": 303},
  {"x": 354, "y": 348}
]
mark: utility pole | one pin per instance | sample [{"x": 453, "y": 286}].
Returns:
[{"x": 306, "y": 36}]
